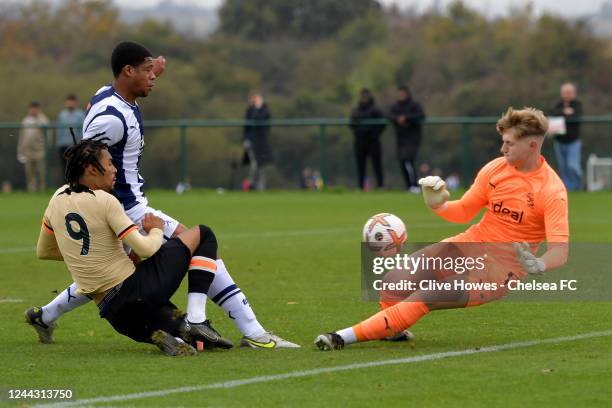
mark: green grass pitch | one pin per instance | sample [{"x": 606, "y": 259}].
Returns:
[{"x": 296, "y": 256}]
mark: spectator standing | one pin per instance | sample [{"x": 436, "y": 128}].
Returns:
[
  {"x": 367, "y": 138},
  {"x": 258, "y": 152},
  {"x": 453, "y": 182},
  {"x": 568, "y": 147},
  {"x": 31, "y": 147},
  {"x": 407, "y": 116},
  {"x": 307, "y": 181},
  {"x": 70, "y": 116},
  {"x": 311, "y": 179}
]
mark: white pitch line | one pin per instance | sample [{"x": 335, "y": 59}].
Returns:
[
  {"x": 310, "y": 373},
  {"x": 268, "y": 234},
  {"x": 8, "y": 300},
  {"x": 254, "y": 234},
  {"x": 18, "y": 249},
  {"x": 271, "y": 234}
]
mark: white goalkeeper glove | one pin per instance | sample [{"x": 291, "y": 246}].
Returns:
[
  {"x": 435, "y": 193},
  {"x": 529, "y": 262}
]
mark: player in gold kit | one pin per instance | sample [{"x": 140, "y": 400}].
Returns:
[{"x": 85, "y": 226}]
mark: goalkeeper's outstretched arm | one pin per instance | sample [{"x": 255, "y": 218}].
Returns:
[{"x": 460, "y": 211}]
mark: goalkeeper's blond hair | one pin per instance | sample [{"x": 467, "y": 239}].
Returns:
[{"x": 524, "y": 122}]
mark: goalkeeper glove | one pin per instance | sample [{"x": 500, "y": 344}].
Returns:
[
  {"x": 529, "y": 262},
  {"x": 435, "y": 193}
]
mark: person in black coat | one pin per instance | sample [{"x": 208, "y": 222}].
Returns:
[
  {"x": 407, "y": 116},
  {"x": 367, "y": 138},
  {"x": 568, "y": 147},
  {"x": 258, "y": 152}
]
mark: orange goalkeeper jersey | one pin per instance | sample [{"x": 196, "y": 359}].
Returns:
[{"x": 520, "y": 206}]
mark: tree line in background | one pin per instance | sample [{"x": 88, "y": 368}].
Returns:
[{"x": 309, "y": 58}]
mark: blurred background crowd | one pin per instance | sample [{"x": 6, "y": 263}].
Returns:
[{"x": 262, "y": 60}]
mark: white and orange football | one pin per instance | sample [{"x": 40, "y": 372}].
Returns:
[{"x": 384, "y": 234}]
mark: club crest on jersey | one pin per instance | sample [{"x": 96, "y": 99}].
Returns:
[
  {"x": 499, "y": 209},
  {"x": 530, "y": 201}
]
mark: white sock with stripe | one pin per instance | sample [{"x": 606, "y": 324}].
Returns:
[
  {"x": 226, "y": 294},
  {"x": 64, "y": 302}
]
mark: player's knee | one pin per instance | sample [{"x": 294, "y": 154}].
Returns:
[
  {"x": 208, "y": 243},
  {"x": 207, "y": 235}
]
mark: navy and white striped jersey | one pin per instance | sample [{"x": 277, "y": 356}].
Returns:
[{"x": 117, "y": 123}]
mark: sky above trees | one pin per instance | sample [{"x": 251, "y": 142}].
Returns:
[{"x": 569, "y": 8}]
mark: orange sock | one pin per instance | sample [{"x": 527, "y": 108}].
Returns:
[{"x": 390, "y": 321}]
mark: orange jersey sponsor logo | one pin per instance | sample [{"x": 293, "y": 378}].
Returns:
[{"x": 505, "y": 212}]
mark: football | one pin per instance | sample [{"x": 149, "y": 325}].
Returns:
[{"x": 384, "y": 234}]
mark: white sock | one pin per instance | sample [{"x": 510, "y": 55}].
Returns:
[
  {"x": 64, "y": 302},
  {"x": 196, "y": 307},
  {"x": 348, "y": 335},
  {"x": 224, "y": 292}
]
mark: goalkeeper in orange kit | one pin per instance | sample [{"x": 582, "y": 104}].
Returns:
[{"x": 526, "y": 204}]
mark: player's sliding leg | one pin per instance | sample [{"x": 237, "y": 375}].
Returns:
[
  {"x": 389, "y": 298},
  {"x": 196, "y": 303},
  {"x": 226, "y": 294},
  {"x": 404, "y": 335},
  {"x": 496, "y": 272},
  {"x": 394, "y": 319},
  {"x": 202, "y": 270},
  {"x": 144, "y": 312},
  {"x": 141, "y": 309},
  {"x": 385, "y": 323},
  {"x": 43, "y": 319}
]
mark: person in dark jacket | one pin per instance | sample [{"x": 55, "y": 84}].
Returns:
[
  {"x": 367, "y": 138},
  {"x": 568, "y": 147},
  {"x": 258, "y": 152},
  {"x": 407, "y": 116}
]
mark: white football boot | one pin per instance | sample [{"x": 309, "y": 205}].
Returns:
[{"x": 266, "y": 340}]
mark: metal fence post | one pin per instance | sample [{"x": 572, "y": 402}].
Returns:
[
  {"x": 322, "y": 154},
  {"x": 183, "y": 154},
  {"x": 467, "y": 155}
]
